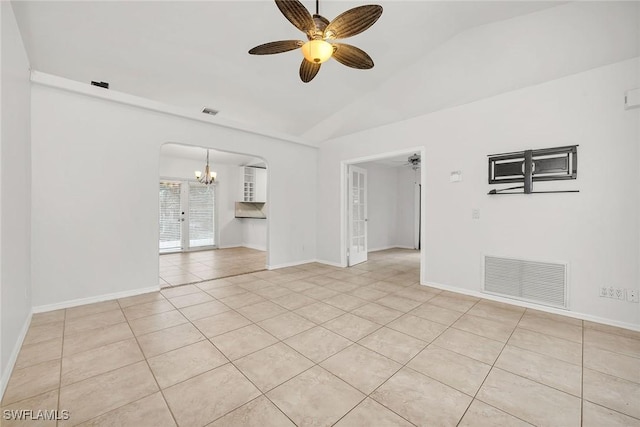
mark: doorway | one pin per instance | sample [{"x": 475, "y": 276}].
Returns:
[{"x": 382, "y": 205}]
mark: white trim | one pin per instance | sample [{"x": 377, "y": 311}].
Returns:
[
  {"x": 90, "y": 300},
  {"x": 256, "y": 247},
  {"x": 136, "y": 101},
  {"x": 560, "y": 311},
  {"x": 384, "y": 248},
  {"x": 8, "y": 370},
  {"x": 331, "y": 263},
  {"x": 290, "y": 264}
]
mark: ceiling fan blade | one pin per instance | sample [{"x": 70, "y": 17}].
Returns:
[
  {"x": 308, "y": 70},
  {"x": 297, "y": 14},
  {"x": 352, "y": 57},
  {"x": 353, "y": 21},
  {"x": 276, "y": 47}
]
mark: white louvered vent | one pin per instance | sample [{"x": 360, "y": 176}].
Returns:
[{"x": 539, "y": 282}]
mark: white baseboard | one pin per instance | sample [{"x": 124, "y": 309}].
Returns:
[
  {"x": 90, "y": 300},
  {"x": 384, "y": 248},
  {"x": 8, "y": 370},
  {"x": 568, "y": 313},
  {"x": 256, "y": 247},
  {"x": 331, "y": 263},
  {"x": 289, "y": 264}
]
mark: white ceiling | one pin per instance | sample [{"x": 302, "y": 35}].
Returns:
[
  {"x": 429, "y": 55},
  {"x": 215, "y": 156}
]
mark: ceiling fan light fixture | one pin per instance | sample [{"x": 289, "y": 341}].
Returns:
[{"x": 317, "y": 51}]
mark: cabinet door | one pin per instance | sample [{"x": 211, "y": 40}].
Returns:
[{"x": 261, "y": 185}]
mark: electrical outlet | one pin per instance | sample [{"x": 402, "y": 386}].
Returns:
[
  {"x": 603, "y": 292},
  {"x": 611, "y": 293},
  {"x": 632, "y": 295},
  {"x": 619, "y": 293}
]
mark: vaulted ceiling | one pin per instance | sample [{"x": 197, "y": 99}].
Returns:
[{"x": 428, "y": 54}]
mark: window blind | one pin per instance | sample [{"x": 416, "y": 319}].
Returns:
[
  {"x": 201, "y": 215},
  {"x": 170, "y": 225}
]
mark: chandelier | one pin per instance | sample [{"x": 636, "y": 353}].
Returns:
[{"x": 209, "y": 176}]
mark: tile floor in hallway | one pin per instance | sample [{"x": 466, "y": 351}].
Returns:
[
  {"x": 190, "y": 267},
  {"x": 315, "y": 345}
]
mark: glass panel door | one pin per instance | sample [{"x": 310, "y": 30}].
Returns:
[
  {"x": 357, "y": 215},
  {"x": 201, "y": 215},
  {"x": 171, "y": 216}
]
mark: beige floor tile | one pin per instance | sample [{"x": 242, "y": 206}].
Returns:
[
  {"x": 98, "y": 307},
  {"x": 147, "y": 309},
  {"x": 315, "y": 398},
  {"x": 368, "y": 293},
  {"x": 261, "y": 311},
  {"x": 42, "y": 402},
  {"x": 259, "y": 412},
  {"x": 191, "y": 299},
  {"x": 393, "y": 344},
  {"x": 272, "y": 366},
  {"x": 286, "y": 325},
  {"x": 351, "y": 327},
  {"x": 200, "y": 311},
  {"x": 421, "y": 400},
  {"x": 551, "y": 327},
  {"x": 496, "y": 312},
  {"x": 226, "y": 291},
  {"x": 80, "y": 366},
  {"x": 43, "y": 332},
  {"x": 529, "y": 400},
  {"x": 612, "y": 392},
  {"x": 371, "y": 413},
  {"x": 40, "y": 352},
  {"x": 93, "y": 338},
  {"x": 221, "y": 323},
  {"x": 180, "y": 291},
  {"x": 140, "y": 299},
  {"x": 93, "y": 321},
  {"x": 103, "y": 393},
  {"x": 612, "y": 330},
  {"x": 612, "y": 342},
  {"x": 559, "y": 348},
  {"x": 418, "y": 293},
  {"x": 453, "y": 302},
  {"x": 482, "y": 415},
  {"x": 32, "y": 381},
  {"x": 377, "y": 313},
  {"x": 183, "y": 363},
  {"x": 474, "y": 346},
  {"x": 453, "y": 369},
  {"x": 417, "y": 327},
  {"x": 552, "y": 316},
  {"x": 293, "y": 301},
  {"x": 243, "y": 341},
  {"x": 149, "y": 411},
  {"x": 157, "y": 322},
  {"x": 319, "y": 293},
  {"x": 318, "y": 343},
  {"x": 398, "y": 302},
  {"x": 436, "y": 314},
  {"x": 169, "y": 339},
  {"x": 207, "y": 397},
  {"x": 345, "y": 302},
  {"x": 48, "y": 317},
  {"x": 484, "y": 327},
  {"x": 547, "y": 370},
  {"x": 272, "y": 292},
  {"x": 319, "y": 312},
  {"x": 361, "y": 367},
  {"x": 615, "y": 364},
  {"x": 241, "y": 300},
  {"x": 597, "y": 416}
]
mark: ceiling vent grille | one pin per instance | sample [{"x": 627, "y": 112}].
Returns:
[
  {"x": 538, "y": 282},
  {"x": 210, "y": 111}
]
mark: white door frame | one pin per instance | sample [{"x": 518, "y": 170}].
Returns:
[
  {"x": 355, "y": 256},
  {"x": 344, "y": 211}
]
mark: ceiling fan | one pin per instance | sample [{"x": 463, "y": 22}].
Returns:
[
  {"x": 320, "y": 34},
  {"x": 413, "y": 160}
]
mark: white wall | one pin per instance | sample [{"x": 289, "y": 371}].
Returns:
[
  {"x": 94, "y": 223},
  {"x": 254, "y": 233},
  {"x": 596, "y": 230},
  {"x": 382, "y": 206},
  {"x": 15, "y": 194},
  {"x": 406, "y": 203}
]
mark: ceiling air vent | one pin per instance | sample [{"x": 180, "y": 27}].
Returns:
[{"x": 210, "y": 111}]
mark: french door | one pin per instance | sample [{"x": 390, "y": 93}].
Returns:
[
  {"x": 187, "y": 216},
  {"x": 357, "y": 183}
]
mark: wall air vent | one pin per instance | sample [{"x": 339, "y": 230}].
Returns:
[
  {"x": 210, "y": 111},
  {"x": 538, "y": 282}
]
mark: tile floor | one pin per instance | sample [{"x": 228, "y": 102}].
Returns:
[
  {"x": 191, "y": 267},
  {"x": 316, "y": 346}
]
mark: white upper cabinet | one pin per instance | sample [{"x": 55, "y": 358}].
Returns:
[
  {"x": 261, "y": 185},
  {"x": 254, "y": 184}
]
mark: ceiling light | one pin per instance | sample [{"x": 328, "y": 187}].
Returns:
[
  {"x": 209, "y": 177},
  {"x": 317, "y": 51}
]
